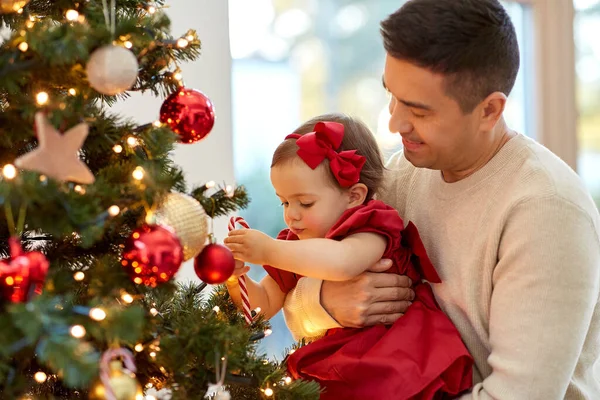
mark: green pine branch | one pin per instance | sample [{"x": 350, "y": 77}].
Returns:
[{"x": 222, "y": 202}]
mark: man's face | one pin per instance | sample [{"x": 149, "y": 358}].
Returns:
[{"x": 436, "y": 134}]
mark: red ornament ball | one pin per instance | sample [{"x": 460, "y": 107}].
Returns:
[
  {"x": 189, "y": 113},
  {"x": 23, "y": 274},
  {"x": 214, "y": 264},
  {"x": 152, "y": 255}
]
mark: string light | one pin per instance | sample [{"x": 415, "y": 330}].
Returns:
[
  {"x": 29, "y": 24},
  {"x": 43, "y": 178},
  {"x": 257, "y": 310},
  {"x": 72, "y": 15},
  {"x": 177, "y": 76},
  {"x": 79, "y": 189},
  {"x": 132, "y": 141},
  {"x": 268, "y": 392},
  {"x": 113, "y": 211},
  {"x": 40, "y": 377},
  {"x": 149, "y": 385},
  {"x": 97, "y": 314},
  {"x": 79, "y": 276},
  {"x": 9, "y": 171},
  {"x": 216, "y": 309},
  {"x": 268, "y": 332},
  {"x": 42, "y": 98},
  {"x": 210, "y": 184},
  {"x": 77, "y": 331},
  {"x": 127, "y": 298},
  {"x": 23, "y": 46},
  {"x": 150, "y": 217},
  {"x": 182, "y": 43},
  {"x": 190, "y": 37},
  {"x": 138, "y": 173},
  {"x": 151, "y": 10},
  {"x": 128, "y": 44},
  {"x": 72, "y": 92},
  {"x": 287, "y": 380},
  {"x": 117, "y": 148},
  {"x": 152, "y": 354},
  {"x": 157, "y": 123},
  {"x": 139, "y": 347},
  {"x": 154, "y": 312}
]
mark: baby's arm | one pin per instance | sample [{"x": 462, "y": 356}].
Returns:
[
  {"x": 265, "y": 295},
  {"x": 326, "y": 259}
]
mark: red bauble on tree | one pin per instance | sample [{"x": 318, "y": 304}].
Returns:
[
  {"x": 189, "y": 113},
  {"x": 23, "y": 274},
  {"x": 214, "y": 264},
  {"x": 152, "y": 255}
]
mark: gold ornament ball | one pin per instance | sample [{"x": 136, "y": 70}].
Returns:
[
  {"x": 123, "y": 384},
  {"x": 11, "y": 6},
  {"x": 186, "y": 216}
]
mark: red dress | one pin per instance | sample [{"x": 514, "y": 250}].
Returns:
[{"x": 420, "y": 356}]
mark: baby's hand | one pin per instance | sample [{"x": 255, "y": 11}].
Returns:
[
  {"x": 240, "y": 268},
  {"x": 249, "y": 245}
]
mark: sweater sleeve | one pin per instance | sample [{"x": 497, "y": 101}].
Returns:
[
  {"x": 303, "y": 313},
  {"x": 545, "y": 290}
]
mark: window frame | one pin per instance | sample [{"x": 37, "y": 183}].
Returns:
[{"x": 554, "y": 104}]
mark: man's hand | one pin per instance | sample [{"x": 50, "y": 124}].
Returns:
[
  {"x": 249, "y": 245},
  {"x": 370, "y": 298}
]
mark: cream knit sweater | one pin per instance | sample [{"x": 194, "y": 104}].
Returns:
[{"x": 517, "y": 246}]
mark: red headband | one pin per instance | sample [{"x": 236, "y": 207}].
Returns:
[{"x": 323, "y": 143}]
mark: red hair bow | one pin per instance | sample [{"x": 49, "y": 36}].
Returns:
[{"x": 314, "y": 147}]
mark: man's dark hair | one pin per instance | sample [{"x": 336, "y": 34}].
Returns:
[{"x": 472, "y": 42}]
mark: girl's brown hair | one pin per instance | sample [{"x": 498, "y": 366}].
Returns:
[{"x": 357, "y": 136}]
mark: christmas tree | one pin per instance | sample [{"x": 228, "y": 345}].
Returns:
[{"x": 97, "y": 218}]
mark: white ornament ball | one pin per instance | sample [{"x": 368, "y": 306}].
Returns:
[
  {"x": 112, "y": 69},
  {"x": 223, "y": 395}
]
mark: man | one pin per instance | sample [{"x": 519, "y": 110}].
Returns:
[{"x": 510, "y": 228}]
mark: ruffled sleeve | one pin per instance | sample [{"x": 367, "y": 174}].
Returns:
[
  {"x": 285, "y": 279},
  {"x": 404, "y": 245},
  {"x": 376, "y": 217}
]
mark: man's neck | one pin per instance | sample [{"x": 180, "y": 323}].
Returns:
[{"x": 504, "y": 134}]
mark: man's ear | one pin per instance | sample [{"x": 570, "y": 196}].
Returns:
[
  {"x": 491, "y": 110},
  {"x": 357, "y": 194}
]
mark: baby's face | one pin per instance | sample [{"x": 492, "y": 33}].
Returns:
[{"x": 312, "y": 203}]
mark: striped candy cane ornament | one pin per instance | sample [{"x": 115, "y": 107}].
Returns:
[{"x": 242, "y": 278}]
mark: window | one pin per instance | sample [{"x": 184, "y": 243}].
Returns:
[
  {"x": 587, "y": 53},
  {"x": 295, "y": 59}
]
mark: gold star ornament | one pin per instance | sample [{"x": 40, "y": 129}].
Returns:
[{"x": 57, "y": 155}]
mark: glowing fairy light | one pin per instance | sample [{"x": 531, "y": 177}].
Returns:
[
  {"x": 97, "y": 314},
  {"x": 9, "y": 171},
  {"x": 42, "y": 98},
  {"x": 72, "y": 15},
  {"x": 77, "y": 331},
  {"x": 40, "y": 377},
  {"x": 79, "y": 276}
]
